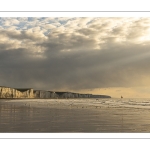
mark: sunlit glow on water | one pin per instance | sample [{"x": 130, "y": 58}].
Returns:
[{"x": 75, "y": 115}]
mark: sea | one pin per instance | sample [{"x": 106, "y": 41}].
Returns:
[{"x": 108, "y": 115}]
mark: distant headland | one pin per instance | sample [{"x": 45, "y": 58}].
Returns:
[{"x": 7, "y": 92}]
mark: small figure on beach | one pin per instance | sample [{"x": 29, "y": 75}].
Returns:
[{"x": 121, "y": 96}]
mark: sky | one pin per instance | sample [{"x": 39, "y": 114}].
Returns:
[{"x": 90, "y": 55}]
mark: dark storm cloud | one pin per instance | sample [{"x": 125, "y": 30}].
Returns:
[
  {"x": 73, "y": 42},
  {"x": 83, "y": 58}
]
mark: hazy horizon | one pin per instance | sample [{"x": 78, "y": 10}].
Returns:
[{"x": 107, "y": 56}]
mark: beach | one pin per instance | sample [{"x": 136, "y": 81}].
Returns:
[{"x": 74, "y": 116}]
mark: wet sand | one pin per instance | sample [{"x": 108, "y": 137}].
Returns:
[{"x": 69, "y": 116}]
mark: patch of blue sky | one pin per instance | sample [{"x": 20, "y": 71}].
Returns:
[
  {"x": 62, "y": 20},
  {"x": 89, "y": 22},
  {"x": 22, "y": 25},
  {"x": 22, "y": 18},
  {"x": 32, "y": 18},
  {"x": 1, "y": 21},
  {"x": 47, "y": 32}
]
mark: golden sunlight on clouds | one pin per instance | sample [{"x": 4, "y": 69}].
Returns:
[{"x": 130, "y": 92}]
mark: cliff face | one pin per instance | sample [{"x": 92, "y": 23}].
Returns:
[
  {"x": 6, "y": 92},
  {"x": 44, "y": 94}
]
